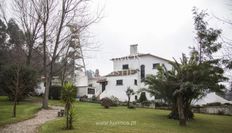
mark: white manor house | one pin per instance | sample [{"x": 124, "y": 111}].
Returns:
[{"x": 128, "y": 71}]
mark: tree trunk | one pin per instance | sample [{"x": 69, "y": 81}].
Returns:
[
  {"x": 128, "y": 102},
  {"x": 46, "y": 93},
  {"x": 67, "y": 108},
  {"x": 30, "y": 48},
  {"x": 14, "y": 107},
  {"x": 174, "y": 113},
  {"x": 16, "y": 91},
  {"x": 45, "y": 98},
  {"x": 182, "y": 120}
]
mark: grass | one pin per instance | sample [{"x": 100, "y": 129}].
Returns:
[
  {"x": 25, "y": 110},
  {"x": 90, "y": 118}
]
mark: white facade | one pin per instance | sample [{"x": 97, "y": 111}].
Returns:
[{"x": 128, "y": 70}]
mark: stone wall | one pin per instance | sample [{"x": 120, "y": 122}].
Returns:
[{"x": 221, "y": 110}]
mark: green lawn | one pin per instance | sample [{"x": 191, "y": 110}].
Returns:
[
  {"x": 25, "y": 110},
  {"x": 90, "y": 118}
]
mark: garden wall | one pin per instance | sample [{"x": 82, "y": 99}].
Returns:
[{"x": 221, "y": 110}]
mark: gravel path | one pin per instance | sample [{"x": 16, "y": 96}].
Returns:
[{"x": 31, "y": 125}]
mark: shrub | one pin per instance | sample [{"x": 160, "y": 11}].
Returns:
[
  {"x": 115, "y": 101},
  {"x": 214, "y": 104},
  {"x": 131, "y": 106},
  {"x": 84, "y": 98},
  {"x": 221, "y": 112},
  {"x": 142, "y": 97},
  {"x": 161, "y": 104},
  {"x": 146, "y": 103},
  {"x": 94, "y": 98},
  {"x": 227, "y": 104},
  {"x": 55, "y": 92},
  {"x": 106, "y": 102}
]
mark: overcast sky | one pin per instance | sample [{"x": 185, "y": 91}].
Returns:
[{"x": 160, "y": 27}]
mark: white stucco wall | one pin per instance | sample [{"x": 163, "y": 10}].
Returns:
[
  {"x": 136, "y": 62},
  {"x": 119, "y": 91}
]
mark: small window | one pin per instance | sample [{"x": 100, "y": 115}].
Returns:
[
  {"x": 126, "y": 66},
  {"x": 135, "y": 82},
  {"x": 142, "y": 72},
  {"x": 119, "y": 82},
  {"x": 155, "y": 65},
  {"x": 91, "y": 91},
  {"x": 90, "y": 85},
  {"x": 136, "y": 97}
]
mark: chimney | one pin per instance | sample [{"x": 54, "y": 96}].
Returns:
[{"x": 133, "y": 49}]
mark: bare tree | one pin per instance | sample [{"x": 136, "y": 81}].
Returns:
[
  {"x": 29, "y": 20},
  {"x": 55, "y": 17}
]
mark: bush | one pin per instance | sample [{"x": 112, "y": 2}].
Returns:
[
  {"x": 161, "y": 104},
  {"x": 26, "y": 77},
  {"x": 94, "y": 98},
  {"x": 115, "y": 101},
  {"x": 84, "y": 98},
  {"x": 214, "y": 104},
  {"x": 146, "y": 103},
  {"x": 55, "y": 92},
  {"x": 142, "y": 97},
  {"x": 131, "y": 106},
  {"x": 221, "y": 112},
  {"x": 106, "y": 102}
]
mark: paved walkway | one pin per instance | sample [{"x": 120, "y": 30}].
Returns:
[{"x": 31, "y": 125}]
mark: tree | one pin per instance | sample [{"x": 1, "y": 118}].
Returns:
[
  {"x": 25, "y": 13},
  {"x": 142, "y": 97},
  {"x": 55, "y": 17},
  {"x": 69, "y": 96},
  {"x": 18, "y": 82},
  {"x": 193, "y": 77},
  {"x": 129, "y": 93},
  {"x": 206, "y": 37},
  {"x": 187, "y": 81}
]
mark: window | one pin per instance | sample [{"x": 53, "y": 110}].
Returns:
[
  {"x": 142, "y": 72},
  {"x": 91, "y": 91},
  {"x": 119, "y": 82},
  {"x": 126, "y": 66},
  {"x": 155, "y": 65},
  {"x": 90, "y": 85},
  {"x": 135, "y": 82},
  {"x": 136, "y": 97}
]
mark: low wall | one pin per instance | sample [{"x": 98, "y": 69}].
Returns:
[{"x": 221, "y": 110}]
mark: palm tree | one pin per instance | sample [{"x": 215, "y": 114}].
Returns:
[
  {"x": 69, "y": 96},
  {"x": 129, "y": 92},
  {"x": 188, "y": 80}
]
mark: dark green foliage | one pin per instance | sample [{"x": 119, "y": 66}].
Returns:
[
  {"x": 16, "y": 34},
  {"x": 143, "y": 97},
  {"x": 146, "y": 103},
  {"x": 106, "y": 102},
  {"x": 27, "y": 81},
  {"x": 2, "y": 33},
  {"x": 214, "y": 104},
  {"x": 55, "y": 92},
  {"x": 94, "y": 98}
]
